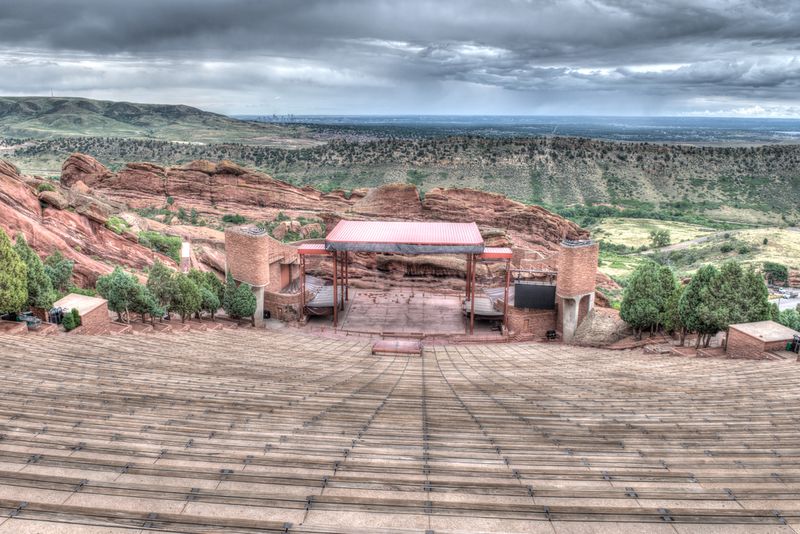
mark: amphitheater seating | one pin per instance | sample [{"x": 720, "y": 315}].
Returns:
[{"x": 256, "y": 431}]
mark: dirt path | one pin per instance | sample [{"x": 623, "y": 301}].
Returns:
[{"x": 686, "y": 244}]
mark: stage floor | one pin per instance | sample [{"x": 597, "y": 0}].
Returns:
[{"x": 406, "y": 311}]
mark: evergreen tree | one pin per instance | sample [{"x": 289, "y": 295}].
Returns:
[
  {"x": 756, "y": 294},
  {"x": 146, "y": 304},
  {"x": 120, "y": 290},
  {"x": 215, "y": 285},
  {"x": 186, "y": 299},
  {"x": 40, "y": 288},
  {"x": 790, "y": 319},
  {"x": 646, "y": 296},
  {"x": 699, "y": 307},
  {"x": 161, "y": 283},
  {"x": 228, "y": 295},
  {"x": 210, "y": 280},
  {"x": 209, "y": 301},
  {"x": 13, "y": 277},
  {"x": 244, "y": 303},
  {"x": 672, "y": 321},
  {"x": 59, "y": 270}
]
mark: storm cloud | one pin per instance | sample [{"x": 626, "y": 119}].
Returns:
[{"x": 613, "y": 57}]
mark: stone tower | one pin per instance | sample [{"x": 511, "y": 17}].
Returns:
[{"x": 575, "y": 284}]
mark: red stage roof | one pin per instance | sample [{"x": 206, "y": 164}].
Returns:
[
  {"x": 312, "y": 248},
  {"x": 406, "y": 237},
  {"x": 497, "y": 253}
]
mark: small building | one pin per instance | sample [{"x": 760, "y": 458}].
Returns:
[
  {"x": 752, "y": 340},
  {"x": 93, "y": 310}
]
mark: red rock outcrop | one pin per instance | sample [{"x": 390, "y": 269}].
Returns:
[
  {"x": 200, "y": 184},
  {"x": 82, "y": 167},
  {"x": 94, "y": 248}
]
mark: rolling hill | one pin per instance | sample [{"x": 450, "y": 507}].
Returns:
[{"x": 50, "y": 117}]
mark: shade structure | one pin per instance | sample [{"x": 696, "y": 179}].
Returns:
[{"x": 405, "y": 237}]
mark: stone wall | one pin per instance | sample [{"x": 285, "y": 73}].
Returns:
[{"x": 528, "y": 321}]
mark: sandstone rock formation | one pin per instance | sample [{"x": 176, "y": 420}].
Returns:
[
  {"x": 54, "y": 199},
  {"x": 214, "y": 189},
  {"x": 84, "y": 239}
]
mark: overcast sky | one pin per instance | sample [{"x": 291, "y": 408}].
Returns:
[{"x": 578, "y": 57}]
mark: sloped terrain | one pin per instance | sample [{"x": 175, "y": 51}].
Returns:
[
  {"x": 748, "y": 184},
  {"x": 248, "y": 431},
  {"x": 47, "y": 117}
]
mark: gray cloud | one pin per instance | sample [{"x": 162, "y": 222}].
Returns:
[{"x": 437, "y": 56}]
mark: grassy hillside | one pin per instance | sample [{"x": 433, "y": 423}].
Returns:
[
  {"x": 584, "y": 179},
  {"x": 47, "y": 117}
]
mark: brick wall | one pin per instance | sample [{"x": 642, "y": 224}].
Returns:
[
  {"x": 247, "y": 256},
  {"x": 97, "y": 319},
  {"x": 282, "y": 306},
  {"x": 577, "y": 268},
  {"x": 740, "y": 345},
  {"x": 526, "y": 321}
]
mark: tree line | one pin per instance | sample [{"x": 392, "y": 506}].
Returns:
[
  {"x": 28, "y": 282},
  {"x": 714, "y": 299},
  {"x": 167, "y": 292}
]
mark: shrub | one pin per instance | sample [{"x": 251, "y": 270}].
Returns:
[
  {"x": 725, "y": 248},
  {"x": 234, "y": 218},
  {"x": 71, "y": 320},
  {"x": 660, "y": 238},
  {"x": 776, "y": 273},
  {"x": 45, "y": 187},
  {"x": 116, "y": 224},
  {"x": 165, "y": 244}
]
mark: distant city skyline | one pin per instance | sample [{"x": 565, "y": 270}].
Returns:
[{"x": 438, "y": 57}]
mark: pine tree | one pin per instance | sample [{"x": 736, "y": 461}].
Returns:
[
  {"x": 244, "y": 303},
  {"x": 161, "y": 283},
  {"x": 146, "y": 304},
  {"x": 40, "y": 288},
  {"x": 59, "y": 270},
  {"x": 700, "y": 309},
  {"x": 186, "y": 299},
  {"x": 13, "y": 277},
  {"x": 120, "y": 290},
  {"x": 228, "y": 295},
  {"x": 209, "y": 301},
  {"x": 646, "y": 296}
]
